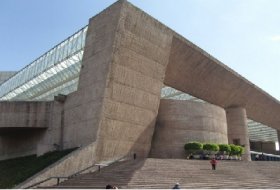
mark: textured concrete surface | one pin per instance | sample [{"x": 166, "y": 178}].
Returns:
[
  {"x": 181, "y": 121},
  {"x": 52, "y": 138},
  {"x": 135, "y": 79},
  {"x": 238, "y": 130},
  {"x": 24, "y": 115}
]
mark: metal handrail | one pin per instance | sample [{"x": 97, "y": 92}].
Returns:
[{"x": 77, "y": 173}]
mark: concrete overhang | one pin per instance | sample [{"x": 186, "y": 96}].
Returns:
[{"x": 195, "y": 72}]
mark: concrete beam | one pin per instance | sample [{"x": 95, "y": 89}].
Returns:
[{"x": 195, "y": 72}]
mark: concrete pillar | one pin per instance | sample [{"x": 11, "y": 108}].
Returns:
[
  {"x": 278, "y": 134},
  {"x": 238, "y": 130}
]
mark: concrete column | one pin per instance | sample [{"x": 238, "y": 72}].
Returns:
[{"x": 238, "y": 130}]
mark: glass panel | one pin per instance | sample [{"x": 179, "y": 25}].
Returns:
[{"x": 58, "y": 66}]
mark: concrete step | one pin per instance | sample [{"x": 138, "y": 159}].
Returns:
[{"x": 163, "y": 173}]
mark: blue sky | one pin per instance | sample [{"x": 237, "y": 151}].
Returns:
[{"x": 243, "y": 34}]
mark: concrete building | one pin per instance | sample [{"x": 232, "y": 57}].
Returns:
[{"x": 128, "y": 84}]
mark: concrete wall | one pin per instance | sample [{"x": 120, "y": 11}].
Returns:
[
  {"x": 181, "y": 121},
  {"x": 52, "y": 138},
  {"x": 24, "y": 114},
  {"x": 135, "y": 79},
  {"x": 22, "y": 125},
  {"x": 76, "y": 120},
  {"x": 94, "y": 76}
]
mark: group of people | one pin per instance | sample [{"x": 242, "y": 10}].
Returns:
[
  {"x": 259, "y": 157},
  {"x": 207, "y": 156}
]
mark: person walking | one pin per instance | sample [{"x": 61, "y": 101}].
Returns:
[{"x": 213, "y": 162}]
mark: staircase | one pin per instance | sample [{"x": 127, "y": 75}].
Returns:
[{"x": 164, "y": 173}]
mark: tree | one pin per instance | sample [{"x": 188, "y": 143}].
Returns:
[
  {"x": 224, "y": 148},
  {"x": 210, "y": 148},
  {"x": 234, "y": 149},
  {"x": 193, "y": 147},
  {"x": 241, "y": 150}
]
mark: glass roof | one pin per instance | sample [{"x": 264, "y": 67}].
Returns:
[
  {"x": 55, "y": 72},
  {"x": 260, "y": 132},
  {"x": 257, "y": 131}
]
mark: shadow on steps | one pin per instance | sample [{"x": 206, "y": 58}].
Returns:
[{"x": 118, "y": 174}]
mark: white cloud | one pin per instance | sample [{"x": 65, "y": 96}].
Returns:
[{"x": 275, "y": 38}]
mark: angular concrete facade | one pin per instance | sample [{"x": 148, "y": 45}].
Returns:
[
  {"x": 133, "y": 72},
  {"x": 128, "y": 58}
]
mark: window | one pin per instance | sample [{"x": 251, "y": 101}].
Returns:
[{"x": 236, "y": 141}]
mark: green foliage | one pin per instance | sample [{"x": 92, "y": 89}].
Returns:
[
  {"x": 16, "y": 170},
  {"x": 234, "y": 149},
  {"x": 241, "y": 150},
  {"x": 193, "y": 147},
  {"x": 224, "y": 148},
  {"x": 210, "y": 147}
]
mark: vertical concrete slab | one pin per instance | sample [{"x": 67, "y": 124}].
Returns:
[
  {"x": 83, "y": 109},
  {"x": 132, "y": 96},
  {"x": 238, "y": 130},
  {"x": 51, "y": 138}
]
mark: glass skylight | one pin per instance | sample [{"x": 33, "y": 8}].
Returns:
[{"x": 54, "y": 69}]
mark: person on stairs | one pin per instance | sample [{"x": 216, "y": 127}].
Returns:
[
  {"x": 213, "y": 162},
  {"x": 109, "y": 186},
  {"x": 176, "y": 186}
]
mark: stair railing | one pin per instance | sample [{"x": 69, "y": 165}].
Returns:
[{"x": 98, "y": 166}]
